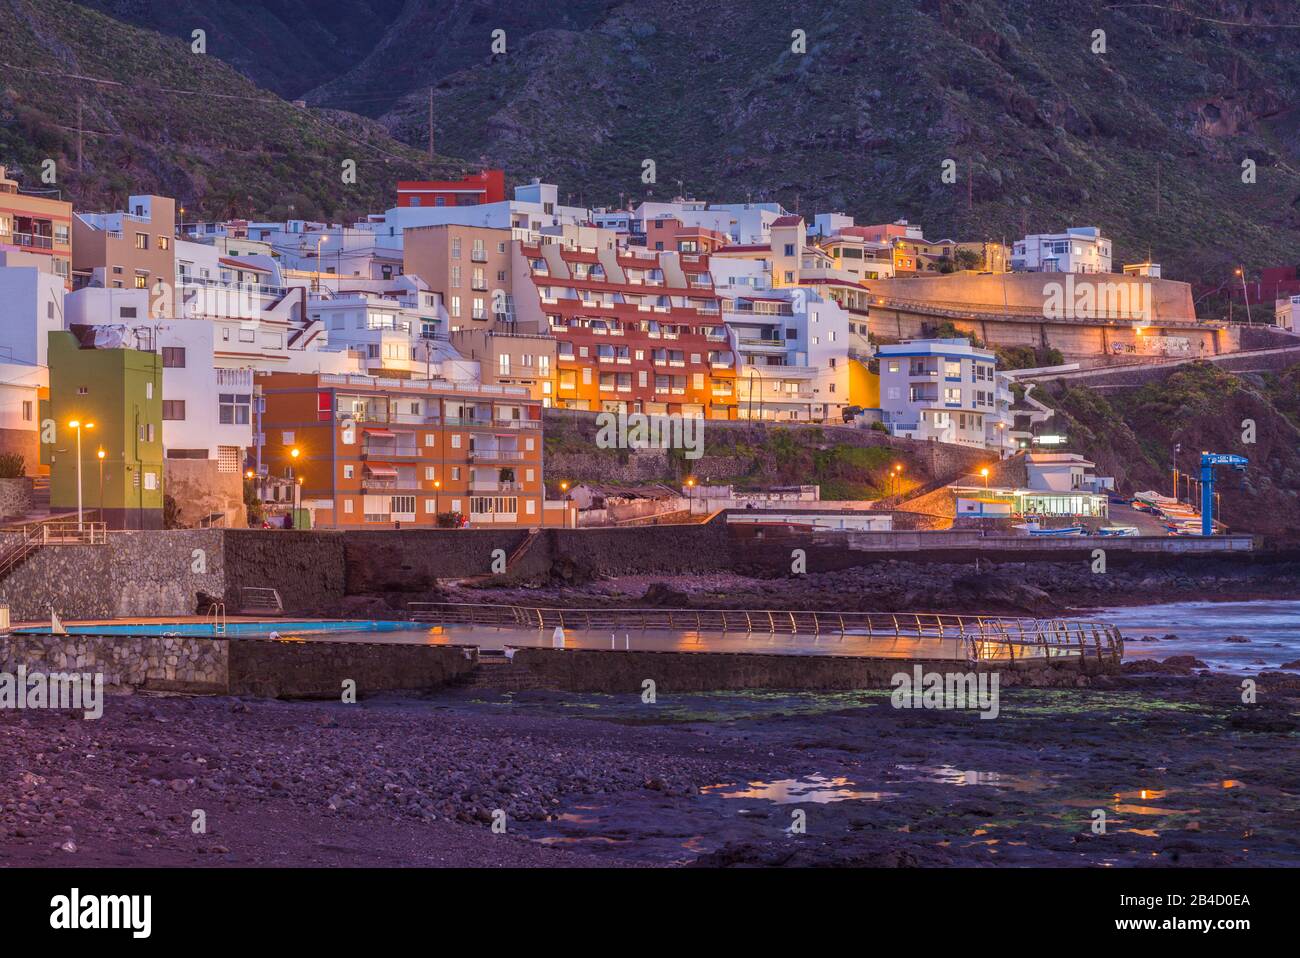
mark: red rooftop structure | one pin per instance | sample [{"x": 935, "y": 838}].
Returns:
[{"x": 489, "y": 186}]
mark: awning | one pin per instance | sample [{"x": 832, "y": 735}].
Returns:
[
  {"x": 381, "y": 433},
  {"x": 383, "y": 469}
]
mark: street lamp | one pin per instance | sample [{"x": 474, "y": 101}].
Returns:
[
  {"x": 437, "y": 485},
  {"x": 564, "y": 488},
  {"x": 1245, "y": 295},
  {"x": 100, "y": 456},
  {"x": 985, "y": 473},
  {"x": 690, "y": 494},
  {"x": 896, "y": 478},
  {"x": 78, "y": 425}
]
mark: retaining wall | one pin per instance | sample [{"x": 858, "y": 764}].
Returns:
[
  {"x": 147, "y": 573},
  {"x": 260, "y": 667},
  {"x": 170, "y": 663}
]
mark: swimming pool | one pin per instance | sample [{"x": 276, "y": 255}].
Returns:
[{"x": 251, "y": 629}]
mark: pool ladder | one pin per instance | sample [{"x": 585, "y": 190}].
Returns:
[{"x": 218, "y": 615}]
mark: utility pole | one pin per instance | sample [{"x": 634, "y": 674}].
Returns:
[{"x": 80, "y": 136}]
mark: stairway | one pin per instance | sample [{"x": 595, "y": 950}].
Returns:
[{"x": 497, "y": 673}]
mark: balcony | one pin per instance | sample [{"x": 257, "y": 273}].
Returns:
[
  {"x": 31, "y": 240},
  {"x": 496, "y": 455},
  {"x": 235, "y": 378},
  {"x": 478, "y": 256},
  {"x": 494, "y": 485},
  {"x": 376, "y": 450}
]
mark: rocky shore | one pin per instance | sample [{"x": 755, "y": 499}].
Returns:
[
  {"x": 1185, "y": 773},
  {"x": 1033, "y": 588}
]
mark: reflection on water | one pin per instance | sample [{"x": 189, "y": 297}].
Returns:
[
  {"x": 813, "y": 789},
  {"x": 951, "y": 775},
  {"x": 660, "y": 640}
]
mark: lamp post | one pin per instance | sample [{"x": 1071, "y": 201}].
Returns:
[
  {"x": 437, "y": 484},
  {"x": 690, "y": 494},
  {"x": 100, "y": 456},
  {"x": 321, "y": 239},
  {"x": 897, "y": 475},
  {"x": 1245, "y": 294},
  {"x": 985, "y": 473},
  {"x": 1178, "y": 447},
  {"x": 78, "y": 425},
  {"x": 564, "y": 488},
  {"x": 294, "y": 453}
]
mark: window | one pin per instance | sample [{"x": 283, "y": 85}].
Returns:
[
  {"x": 173, "y": 357},
  {"x": 164, "y": 242},
  {"x": 286, "y": 438},
  {"x": 148, "y": 390},
  {"x": 141, "y": 240},
  {"x": 789, "y": 249},
  {"x": 347, "y": 506},
  {"x": 141, "y": 282},
  {"x": 233, "y": 410},
  {"x": 403, "y": 506},
  {"x": 173, "y": 409},
  {"x": 348, "y": 471},
  {"x": 27, "y": 410}
]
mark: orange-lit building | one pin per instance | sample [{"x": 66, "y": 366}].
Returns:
[
  {"x": 636, "y": 330},
  {"x": 36, "y": 224},
  {"x": 489, "y": 186},
  {"x": 383, "y": 453}
]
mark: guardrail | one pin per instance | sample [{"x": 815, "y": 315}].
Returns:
[{"x": 980, "y": 638}]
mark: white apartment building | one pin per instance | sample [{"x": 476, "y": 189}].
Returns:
[
  {"x": 192, "y": 379},
  {"x": 31, "y": 305},
  {"x": 791, "y": 344},
  {"x": 1080, "y": 249},
  {"x": 945, "y": 390}
]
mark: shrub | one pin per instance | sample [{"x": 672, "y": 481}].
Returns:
[{"x": 12, "y": 466}]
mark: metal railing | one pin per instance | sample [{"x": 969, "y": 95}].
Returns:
[
  {"x": 977, "y": 638},
  {"x": 254, "y": 600},
  {"x": 52, "y": 533}
]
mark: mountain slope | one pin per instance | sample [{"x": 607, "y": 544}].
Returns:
[
  {"x": 1054, "y": 134},
  {"x": 286, "y": 46},
  {"x": 159, "y": 118}
]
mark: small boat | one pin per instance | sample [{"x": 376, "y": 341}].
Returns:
[
  {"x": 1034, "y": 529},
  {"x": 1117, "y": 531}
]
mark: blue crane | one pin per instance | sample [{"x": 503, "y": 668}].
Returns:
[{"x": 1208, "y": 461}]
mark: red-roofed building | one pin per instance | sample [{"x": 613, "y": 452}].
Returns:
[{"x": 489, "y": 186}]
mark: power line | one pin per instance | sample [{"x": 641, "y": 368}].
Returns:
[{"x": 1196, "y": 16}]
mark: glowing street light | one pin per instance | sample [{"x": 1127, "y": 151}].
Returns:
[
  {"x": 985, "y": 473},
  {"x": 78, "y": 425}
]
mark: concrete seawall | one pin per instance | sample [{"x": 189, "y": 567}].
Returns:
[{"x": 259, "y": 667}]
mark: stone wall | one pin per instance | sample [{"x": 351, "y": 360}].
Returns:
[
  {"x": 258, "y": 667},
  {"x": 15, "y": 497},
  {"x": 154, "y": 573},
  {"x": 318, "y": 669},
  {"x": 308, "y": 568},
  {"x": 411, "y": 560},
  {"x": 164, "y": 663}
]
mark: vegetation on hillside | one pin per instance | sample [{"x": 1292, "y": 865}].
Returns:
[
  {"x": 1131, "y": 434},
  {"x": 157, "y": 117}
]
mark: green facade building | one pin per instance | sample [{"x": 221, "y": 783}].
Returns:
[{"x": 119, "y": 391}]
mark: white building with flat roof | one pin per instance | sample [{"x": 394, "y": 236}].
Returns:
[
  {"x": 1080, "y": 249},
  {"x": 945, "y": 390}
]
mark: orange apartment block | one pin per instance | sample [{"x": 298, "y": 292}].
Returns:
[
  {"x": 470, "y": 266},
  {"x": 383, "y": 453},
  {"x": 636, "y": 330},
  {"x": 36, "y": 224},
  {"x": 129, "y": 249}
]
